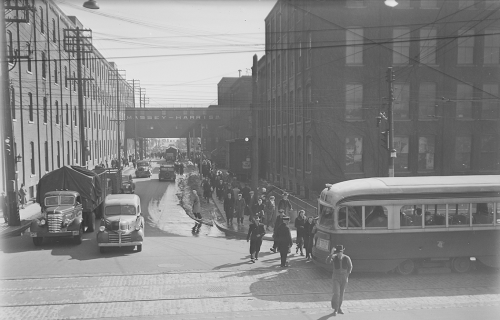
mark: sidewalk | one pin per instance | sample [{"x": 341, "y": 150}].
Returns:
[{"x": 30, "y": 212}]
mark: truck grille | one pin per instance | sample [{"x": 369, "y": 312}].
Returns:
[
  {"x": 115, "y": 238},
  {"x": 54, "y": 222}
]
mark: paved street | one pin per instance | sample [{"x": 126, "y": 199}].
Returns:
[{"x": 181, "y": 275}]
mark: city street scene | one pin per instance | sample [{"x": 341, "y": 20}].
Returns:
[{"x": 230, "y": 159}]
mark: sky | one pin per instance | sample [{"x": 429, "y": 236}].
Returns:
[{"x": 178, "y": 49}]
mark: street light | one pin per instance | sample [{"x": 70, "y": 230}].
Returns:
[{"x": 90, "y": 4}]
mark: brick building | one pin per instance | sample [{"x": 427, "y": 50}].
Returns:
[
  {"x": 46, "y": 115},
  {"x": 322, "y": 84}
]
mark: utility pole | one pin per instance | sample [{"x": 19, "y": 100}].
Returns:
[
  {"x": 135, "y": 117},
  {"x": 255, "y": 139},
  {"x": 390, "y": 119},
  {"x": 9, "y": 158},
  {"x": 79, "y": 41}
]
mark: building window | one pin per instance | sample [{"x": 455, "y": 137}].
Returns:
[
  {"x": 54, "y": 31},
  {"x": 462, "y": 153},
  {"x": 68, "y": 153},
  {"x": 428, "y": 4},
  {"x": 491, "y": 46},
  {"x": 66, "y": 77},
  {"x": 489, "y": 158},
  {"x": 466, "y": 4},
  {"x": 74, "y": 117},
  {"x": 290, "y": 152},
  {"x": 30, "y": 107},
  {"x": 44, "y": 66},
  {"x": 67, "y": 114},
  {"x": 32, "y": 159},
  {"x": 76, "y": 151},
  {"x": 401, "y": 145},
  {"x": 45, "y": 111},
  {"x": 428, "y": 45},
  {"x": 354, "y": 154},
  {"x": 74, "y": 82},
  {"x": 465, "y": 46},
  {"x": 309, "y": 153},
  {"x": 490, "y": 104},
  {"x": 309, "y": 51},
  {"x": 46, "y": 150},
  {"x": 464, "y": 101},
  {"x": 401, "y": 107},
  {"x": 354, "y": 101},
  {"x": 57, "y": 111},
  {"x": 426, "y": 147},
  {"x": 285, "y": 151},
  {"x": 354, "y": 46},
  {"x": 56, "y": 75},
  {"x": 401, "y": 45},
  {"x": 28, "y": 61},
  {"x": 427, "y": 100},
  {"x": 42, "y": 21}
]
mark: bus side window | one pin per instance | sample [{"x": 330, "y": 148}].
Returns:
[
  {"x": 458, "y": 214},
  {"x": 435, "y": 214},
  {"x": 375, "y": 216},
  {"x": 410, "y": 216},
  {"x": 350, "y": 216},
  {"x": 498, "y": 213},
  {"x": 482, "y": 213}
]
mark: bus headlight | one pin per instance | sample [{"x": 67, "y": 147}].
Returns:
[
  {"x": 102, "y": 228},
  {"x": 41, "y": 222}
]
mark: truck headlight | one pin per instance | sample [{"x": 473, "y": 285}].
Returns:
[
  {"x": 65, "y": 222},
  {"x": 41, "y": 222},
  {"x": 102, "y": 228}
]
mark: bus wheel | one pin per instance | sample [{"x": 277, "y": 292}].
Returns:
[
  {"x": 461, "y": 264},
  {"x": 406, "y": 267}
]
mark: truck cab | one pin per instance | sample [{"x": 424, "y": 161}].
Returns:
[
  {"x": 61, "y": 217},
  {"x": 167, "y": 172},
  {"x": 122, "y": 224}
]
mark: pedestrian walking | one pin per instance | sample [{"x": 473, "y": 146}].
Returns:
[
  {"x": 196, "y": 211},
  {"x": 207, "y": 190},
  {"x": 342, "y": 268},
  {"x": 258, "y": 210},
  {"x": 239, "y": 208},
  {"x": 300, "y": 221},
  {"x": 229, "y": 207},
  {"x": 255, "y": 233},
  {"x": 277, "y": 223},
  {"x": 284, "y": 240},
  {"x": 285, "y": 204},
  {"x": 309, "y": 231},
  {"x": 270, "y": 211},
  {"x": 219, "y": 189},
  {"x": 22, "y": 195}
]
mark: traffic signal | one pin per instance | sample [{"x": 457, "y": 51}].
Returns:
[
  {"x": 385, "y": 139},
  {"x": 8, "y": 146}
]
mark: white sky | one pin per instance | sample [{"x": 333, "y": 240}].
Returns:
[{"x": 178, "y": 49}]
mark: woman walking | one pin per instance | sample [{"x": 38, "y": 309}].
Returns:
[
  {"x": 229, "y": 207},
  {"x": 270, "y": 211},
  {"x": 309, "y": 231}
]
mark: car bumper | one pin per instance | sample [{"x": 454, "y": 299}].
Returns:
[
  {"x": 125, "y": 244},
  {"x": 54, "y": 234}
]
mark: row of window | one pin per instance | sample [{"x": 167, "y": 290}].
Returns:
[
  {"x": 71, "y": 113},
  {"x": 101, "y": 149},
  {"x": 431, "y": 4},
  {"x": 290, "y": 153},
  {"x": 412, "y": 216}
]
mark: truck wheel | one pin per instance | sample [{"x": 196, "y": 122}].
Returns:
[
  {"x": 37, "y": 241},
  {"x": 91, "y": 222},
  {"x": 139, "y": 248},
  {"x": 78, "y": 238}
]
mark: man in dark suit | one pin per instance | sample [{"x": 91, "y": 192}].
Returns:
[{"x": 283, "y": 240}]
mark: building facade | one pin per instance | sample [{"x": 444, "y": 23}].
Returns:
[
  {"x": 322, "y": 86},
  {"x": 50, "y": 122}
]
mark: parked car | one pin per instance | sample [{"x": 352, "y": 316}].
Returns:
[
  {"x": 122, "y": 224},
  {"x": 167, "y": 173}
]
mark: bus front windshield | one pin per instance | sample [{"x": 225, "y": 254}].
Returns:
[{"x": 326, "y": 216}]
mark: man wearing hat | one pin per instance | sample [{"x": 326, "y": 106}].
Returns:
[
  {"x": 277, "y": 223},
  {"x": 283, "y": 239},
  {"x": 255, "y": 233},
  {"x": 342, "y": 267}
]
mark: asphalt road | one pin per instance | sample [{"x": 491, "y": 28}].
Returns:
[{"x": 181, "y": 275}]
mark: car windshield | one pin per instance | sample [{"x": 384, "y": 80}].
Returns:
[
  {"x": 67, "y": 200},
  {"x": 52, "y": 201},
  {"x": 166, "y": 169},
  {"x": 126, "y": 210}
]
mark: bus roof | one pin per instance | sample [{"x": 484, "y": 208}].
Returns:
[{"x": 361, "y": 189}]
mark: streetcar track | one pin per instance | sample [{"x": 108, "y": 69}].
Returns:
[
  {"x": 223, "y": 297},
  {"x": 250, "y": 295}
]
